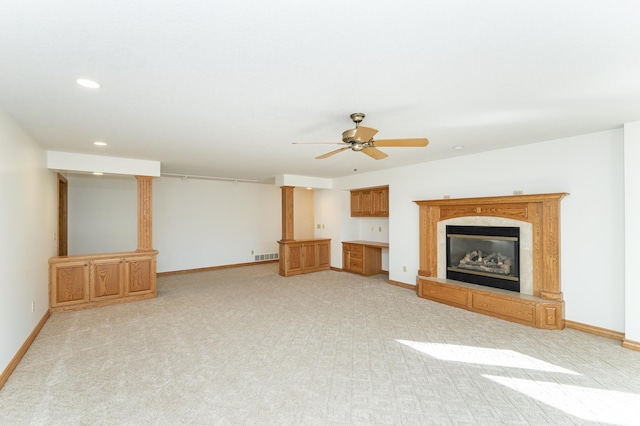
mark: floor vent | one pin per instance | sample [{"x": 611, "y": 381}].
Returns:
[{"x": 261, "y": 257}]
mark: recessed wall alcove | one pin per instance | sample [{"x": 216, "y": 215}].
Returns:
[{"x": 540, "y": 304}]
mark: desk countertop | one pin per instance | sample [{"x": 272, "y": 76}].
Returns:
[{"x": 369, "y": 243}]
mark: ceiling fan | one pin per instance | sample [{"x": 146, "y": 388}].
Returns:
[{"x": 361, "y": 139}]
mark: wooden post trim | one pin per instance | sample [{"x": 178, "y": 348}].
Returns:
[
  {"x": 287, "y": 213},
  {"x": 145, "y": 226}
]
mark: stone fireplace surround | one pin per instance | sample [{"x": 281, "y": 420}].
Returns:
[{"x": 539, "y": 303}]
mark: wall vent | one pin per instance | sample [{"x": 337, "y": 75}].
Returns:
[{"x": 263, "y": 257}]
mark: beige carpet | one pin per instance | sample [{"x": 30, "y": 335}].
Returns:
[{"x": 245, "y": 346}]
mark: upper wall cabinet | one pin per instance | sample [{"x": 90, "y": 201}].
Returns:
[{"x": 370, "y": 202}]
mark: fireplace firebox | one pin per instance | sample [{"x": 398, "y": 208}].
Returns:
[{"x": 485, "y": 255}]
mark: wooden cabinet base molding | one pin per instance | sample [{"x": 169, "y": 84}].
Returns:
[
  {"x": 503, "y": 304},
  {"x": 89, "y": 281}
]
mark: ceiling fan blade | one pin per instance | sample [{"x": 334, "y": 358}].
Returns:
[
  {"x": 402, "y": 142},
  {"x": 329, "y": 154},
  {"x": 375, "y": 153},
  {"x": 364, "y": 134},
  {"x": 317, "y": 143}
]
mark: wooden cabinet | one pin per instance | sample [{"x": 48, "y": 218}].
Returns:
[
  {"x": 362, "y": 257},
  {"x": 304, "y": 256},
  {"x": 80, "y": 282},
  {"x": 370, "y": 202}
]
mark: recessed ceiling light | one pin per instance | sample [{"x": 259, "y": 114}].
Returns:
[
  {"x": 97, "y": 173},
  {"x": 88, "y": 83},
  {"x": 98, "y": 143},
  {"x": 458, "y": 147}
]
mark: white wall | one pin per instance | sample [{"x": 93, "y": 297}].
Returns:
[
  {"x": 196, "y": 223},
  {"x": 632, "y": 229},
  {"x": 103, "y": 214},
  {"x": 589, "y": 167},
  {"x": 28, "y": 221},
  {"x": 329, "y": 213},
  {"x": 303, "y": 216},
  {"x": 203, "y": 223}
]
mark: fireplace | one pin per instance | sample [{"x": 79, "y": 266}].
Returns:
[
  {"x": 539, "y": 302},
  {"x": 485, "y": 255}
]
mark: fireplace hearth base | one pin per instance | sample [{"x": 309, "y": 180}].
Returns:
[{"x": 503, "y": 304}]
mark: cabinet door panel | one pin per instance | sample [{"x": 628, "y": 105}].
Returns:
[
  {"x": 380, "y": 202},
  {"x": 365, "y": 203},
  {"x": 356, "y": 265},
  {"x": 324, "y": 254},
  {"x": 70, "y": 284},
  {"x": 310, "y": 256},
  {"x": 107, "y": 279},
  {"x": 140, "y": 276},
  {"x": 294, "y": 257},
  {"x": 356, "y": 197}
]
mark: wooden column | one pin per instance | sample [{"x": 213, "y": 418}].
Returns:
[
  {"x": 287, "y": 213},
  {"x": 145, "y": 228}
]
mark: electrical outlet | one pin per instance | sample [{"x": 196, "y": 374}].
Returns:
[
  {"x": 404, "y": 269},
  {"x": 251, "y": 251},
  {"x": 33, "y": 306},
  {"x": 318, "y": 226},
  {"x": 379, "y": 228},
  {"x": 518, "y": 192},
  {"x": 446, "y": 197}
]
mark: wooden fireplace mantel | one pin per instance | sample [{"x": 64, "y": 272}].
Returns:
[{"x": 542, "y": 309}]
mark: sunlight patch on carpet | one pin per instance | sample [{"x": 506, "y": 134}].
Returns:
[
  {"x": 484, "y": 356},
  {"x": 591, "y": 404}
]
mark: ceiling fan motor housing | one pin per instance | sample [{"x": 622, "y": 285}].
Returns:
[{"x": 347, "y": 136}]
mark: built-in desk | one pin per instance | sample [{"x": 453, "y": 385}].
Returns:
[{"x": 362, "y": 257}]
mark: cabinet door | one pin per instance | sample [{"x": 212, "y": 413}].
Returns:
[
  {"x": 293, "y": 258},
  {"x": 324, "y": 254},
  {"x": 140, "y": 275},
  {"x": 365, "y": 202},
  {"x": 380, "y": 202},
  {"x": 355, "y": 265},
  {"x": 356, "y": 201},
  {"x": 310, "y": 256},
  {"x": 69, "y": 284},
  {"x": 346, "y": 259},
  {"x": 107, "y": 279}
]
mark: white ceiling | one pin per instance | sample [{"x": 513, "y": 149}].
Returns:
[{"x": 222, "y": 88}]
